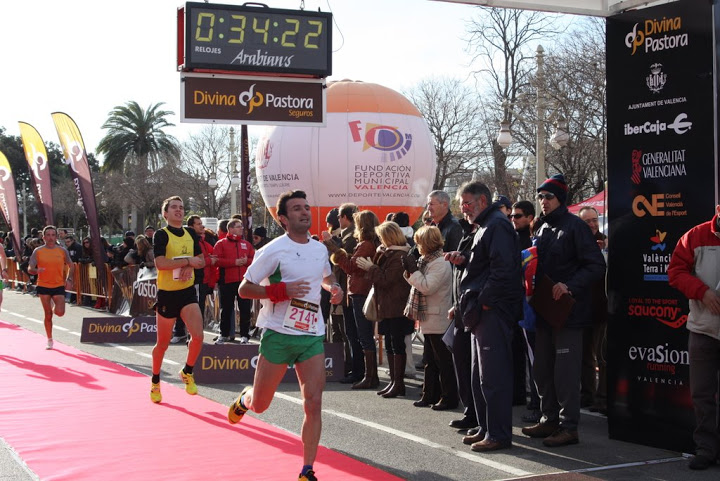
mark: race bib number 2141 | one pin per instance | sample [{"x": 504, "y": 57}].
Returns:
[{"x": 302, "y": 316}]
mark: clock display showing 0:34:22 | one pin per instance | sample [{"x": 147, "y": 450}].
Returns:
[{"x": 235, "y": 28}]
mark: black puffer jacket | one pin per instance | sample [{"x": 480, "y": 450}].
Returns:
[{"x": 568, "y": 253}]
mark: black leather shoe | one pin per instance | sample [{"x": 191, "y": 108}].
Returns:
[
  {"x": 349, "y": 380},
  {"x": 464, "y": 423},
  {"x": 421, "y": 403},
  {"x": 532, "y": 416},
  {"x": 700, "y": 462},
  {"x": 473, "y": 431},
  {"x": 444, "y": 406}
]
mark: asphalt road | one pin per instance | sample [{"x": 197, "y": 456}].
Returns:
[{"x": 390, "y": 434}]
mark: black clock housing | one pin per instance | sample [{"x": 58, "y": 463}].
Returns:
[{"x": 251, "y": 38}]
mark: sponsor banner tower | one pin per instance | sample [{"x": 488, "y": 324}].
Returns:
[{"x": 662, "y": 168}]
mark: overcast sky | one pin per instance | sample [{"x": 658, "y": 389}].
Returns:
[{"x": 84, "y": 58}]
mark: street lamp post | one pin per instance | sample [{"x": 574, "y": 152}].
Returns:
[
  {"x": 24, "y": 208},
  {"x": 559, "y": 138},
  {"x": 234, "y": 179},
  {"x": 212, "y": 184}
]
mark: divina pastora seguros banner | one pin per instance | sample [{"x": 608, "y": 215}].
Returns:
[{"x": 662, "y": 181}]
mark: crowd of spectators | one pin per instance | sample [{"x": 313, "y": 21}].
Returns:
[{"x": 458, "y": 283}]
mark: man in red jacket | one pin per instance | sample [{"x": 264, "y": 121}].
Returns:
[
  {"x": 234, "y": 255},
  {"x": 694, "y": 271}
]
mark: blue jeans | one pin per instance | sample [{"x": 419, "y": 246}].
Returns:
[{"x": 365, "y": 328}]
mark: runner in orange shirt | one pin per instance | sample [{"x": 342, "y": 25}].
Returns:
[{"x": 48, "y": 263}]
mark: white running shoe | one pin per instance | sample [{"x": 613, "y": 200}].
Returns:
[
  {"x": 243, "y": 340},
  {"x": 49, "y": 344}
]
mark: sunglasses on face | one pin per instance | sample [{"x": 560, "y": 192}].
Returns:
[
  {"x": 548, "y": 196},
  {"x": 515, "y": 216}
]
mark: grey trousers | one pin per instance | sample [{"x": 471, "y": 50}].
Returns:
[
  {"x": 704, "y": 369},
  {"x": 558, "y": 361}
]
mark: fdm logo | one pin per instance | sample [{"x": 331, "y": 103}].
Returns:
[
  {"x": 385, "y": 138},
  {"x": 644, "y": 35}
]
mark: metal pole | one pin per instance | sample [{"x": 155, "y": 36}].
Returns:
[
  {"x": 24, "y": 204},
  {"x": 540, "y": 106},
  {"x": 233, "y": 170},
  {"x": 245, "y": 200}
]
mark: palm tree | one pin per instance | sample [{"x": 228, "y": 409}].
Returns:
[
  {"x": 135, "y": 140},
  {"x": 135, "y": 146}
]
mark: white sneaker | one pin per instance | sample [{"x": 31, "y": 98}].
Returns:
[
  {"x": 49, "y": 344},
  {"x": 221, "y": 340},
  {"x": 178, "y": 339},
  {"x": 243, "y": 340}
]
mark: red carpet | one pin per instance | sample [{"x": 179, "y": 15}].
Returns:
[{"x": 72, "y": 416}]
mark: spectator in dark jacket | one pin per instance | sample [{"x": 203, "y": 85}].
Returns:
[
  {"x": 260, "y": 238},
  {"x": 73, "y": 248},
  {"x": 523, "y": 213},
  {"x": 568, "y": 255},
  {"x": 358, "y": 288},
  {"x": 438, "y": 204},
  {"x": 491, "y": 305},
  {"x": 462, "y": 339},
  {"x": 348, "y": 243}
]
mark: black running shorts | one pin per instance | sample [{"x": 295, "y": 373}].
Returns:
[{"x": 170, "y": 303}]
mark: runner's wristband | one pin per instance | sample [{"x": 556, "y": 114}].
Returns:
[{"x": 276, "y": 292}]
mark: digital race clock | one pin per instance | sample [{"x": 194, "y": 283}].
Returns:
[{"x": 253, "y": 38}]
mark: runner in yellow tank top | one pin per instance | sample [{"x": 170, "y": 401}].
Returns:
[
  {"x": 177, "y": 254},
  {"x": 49, "y": 263}
]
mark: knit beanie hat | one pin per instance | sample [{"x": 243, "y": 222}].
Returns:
[
  {"x": 260, "y": 231},
  {"x": 332, "y": 218},
  {"x": 556, "y": 185}
]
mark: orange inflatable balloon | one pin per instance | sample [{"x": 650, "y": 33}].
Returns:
[{"x": 375, "y": 151}]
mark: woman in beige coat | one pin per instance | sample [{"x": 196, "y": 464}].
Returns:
[{"x": 429, "y": 302}]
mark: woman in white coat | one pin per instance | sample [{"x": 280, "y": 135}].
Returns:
[{"x": 429, "y": 302}]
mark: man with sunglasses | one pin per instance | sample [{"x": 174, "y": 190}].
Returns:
[
  {"x": 523, "y": 213},
  {"x": 569, "y": 257}
]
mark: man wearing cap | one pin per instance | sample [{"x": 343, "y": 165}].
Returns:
[
  {"x": 505, "y": 205},
  {"x": 149, "y": 233},
  {"x": 569, "y": 257}
]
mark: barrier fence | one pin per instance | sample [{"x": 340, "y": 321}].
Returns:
[
  {"x": 86, "y": 283},
  {"x": 131, "y": 291}
]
